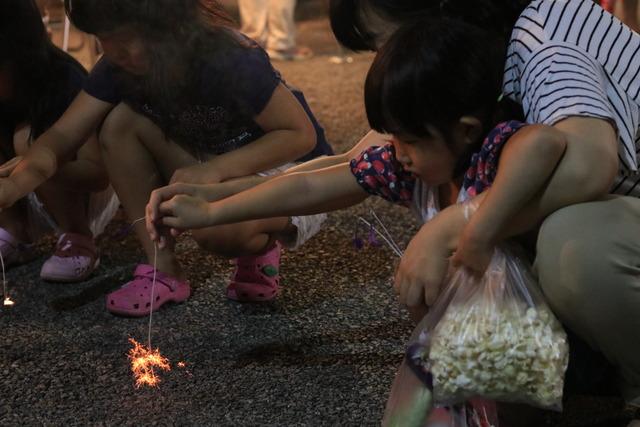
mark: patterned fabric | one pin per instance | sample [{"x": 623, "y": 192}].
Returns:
[
  {"x": 379, "y": 172},
  {"x": 484, "y": 164}
]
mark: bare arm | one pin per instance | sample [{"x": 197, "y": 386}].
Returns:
[
  {"x": 585, "y": 172},
  {"x": 289, "y": 134},
  {"x": 57, "y": 145},
  {"x": 217, "y": 191},
  {"x": 527, "y": 162},
  {"x": 292, "y": 194}
]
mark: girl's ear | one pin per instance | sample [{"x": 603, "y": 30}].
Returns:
[{"x": 469, "y": 130}]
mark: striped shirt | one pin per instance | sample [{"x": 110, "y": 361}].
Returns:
[{"x": 571, "y": 58}]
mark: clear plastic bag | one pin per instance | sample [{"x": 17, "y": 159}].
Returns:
[{"x": 493, "y": 337}]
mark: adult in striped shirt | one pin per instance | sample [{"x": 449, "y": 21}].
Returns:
[{"x": 576, "y": 67}]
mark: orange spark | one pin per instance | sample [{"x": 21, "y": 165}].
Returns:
[
  {"x": 143, "y": 360},
  {"x": 181, "y": 364}
]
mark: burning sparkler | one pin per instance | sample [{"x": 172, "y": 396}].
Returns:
[
  {"x": 143, "y": 360},
  {"x": 7, "y": 301}
]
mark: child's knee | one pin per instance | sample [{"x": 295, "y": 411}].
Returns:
[
  {"x": 118, "y": 124},
  {"x": 227, "y": 241}
]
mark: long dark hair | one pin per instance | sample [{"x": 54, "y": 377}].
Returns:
[
  {"x": 39, "y": 70},
  {"x": 434, "y": 72},
  {"x": 352, "y": 32},
  {"x": 180, "y": 36}
]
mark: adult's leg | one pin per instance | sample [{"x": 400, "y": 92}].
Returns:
[
  {"x": 281, "y": 35},
  {"x": 253, "y": 18},
  {"x": 588, "y": 264}
]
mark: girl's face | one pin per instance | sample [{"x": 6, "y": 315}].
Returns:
[
  {"x": 429, "y": 159},
  {"x": 125, "y": 49}
]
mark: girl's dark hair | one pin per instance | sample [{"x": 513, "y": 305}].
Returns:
[
  {"x": 180, "y": 36},
  {"x": 39, "y": 70},
  {"x": 432, "y": 73},
  {"x": 353, "y": 33}
]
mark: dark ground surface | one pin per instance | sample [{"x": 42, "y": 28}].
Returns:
[{"x": 324, "y": 354}]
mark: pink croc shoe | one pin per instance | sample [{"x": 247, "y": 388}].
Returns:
[
  {"x": 13, "y": 251},
  {"x": 256, "y": 278},
  {"x": 74, "y": 259},
  {"x": 134, "y": 298}
]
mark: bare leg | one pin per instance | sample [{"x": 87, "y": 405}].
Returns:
[{"x": 139, "y": 159}]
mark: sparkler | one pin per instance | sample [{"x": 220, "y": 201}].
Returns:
[
  {"x": 7, "y": 301},
  {"x": 144, "y": 359}
]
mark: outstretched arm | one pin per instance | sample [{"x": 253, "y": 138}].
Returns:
[
  {"x": 301, "y": 193},
  {"x": 51, "y": 149}
]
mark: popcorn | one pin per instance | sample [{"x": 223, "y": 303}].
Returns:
[{"x": 507, "y": 352}]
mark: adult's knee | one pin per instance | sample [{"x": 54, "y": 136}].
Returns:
[{"x": 585, "y": 257}]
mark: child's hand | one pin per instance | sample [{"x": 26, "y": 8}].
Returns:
[
  {"x": 423, "y": 267},
  {"x": 202, "y": 173},
  {"x": 178, "y": 214},
  {"x": 8, "y": 167},
  {"x": 473, "y": 253},
  {"x": 168, "y": 197}
]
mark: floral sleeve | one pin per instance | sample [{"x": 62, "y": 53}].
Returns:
[{"x": 380, "y": 174}]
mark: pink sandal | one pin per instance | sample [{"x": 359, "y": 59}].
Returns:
[
  {"x": 256, "y": 278},
  {"x": 133, "y": 298}
]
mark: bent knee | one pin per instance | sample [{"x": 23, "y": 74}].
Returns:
[
  {"x": 587, "y": 256},
  {"x": 227, "y": 241},
  {"x": 118, "y": 123}
]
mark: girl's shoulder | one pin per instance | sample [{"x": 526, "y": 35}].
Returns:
[{"x": 379, "y": 173}]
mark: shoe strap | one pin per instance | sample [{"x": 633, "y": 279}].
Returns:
[
  {"x": 145, "y": 271},
  {"x": 72, "y": 244}
]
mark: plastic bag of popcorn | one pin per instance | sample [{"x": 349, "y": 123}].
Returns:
[{"x": 493, "y": 337}]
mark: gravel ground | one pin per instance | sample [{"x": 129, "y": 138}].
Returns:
[{"x": 324, "y": 354}]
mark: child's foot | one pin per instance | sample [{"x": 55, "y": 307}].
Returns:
[
  {"x": 256, "y": 278},
  {"x": 74, "y": 259},
  {"x": 13, "y": 251},
  {"x": 134, "y": 298}
]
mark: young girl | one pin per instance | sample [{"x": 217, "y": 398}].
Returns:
[
  {"x": 37, "y": 83},
  {"x": 437, "y": 129},
  {"x": 180, "y": 97}
]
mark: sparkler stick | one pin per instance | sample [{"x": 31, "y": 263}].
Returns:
[
  {"x": 385, "y": 230},
  {"x": 7, "y": 301},
  {"x": 393, "y": 247},
  {"x": 143, "y": 360}
]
